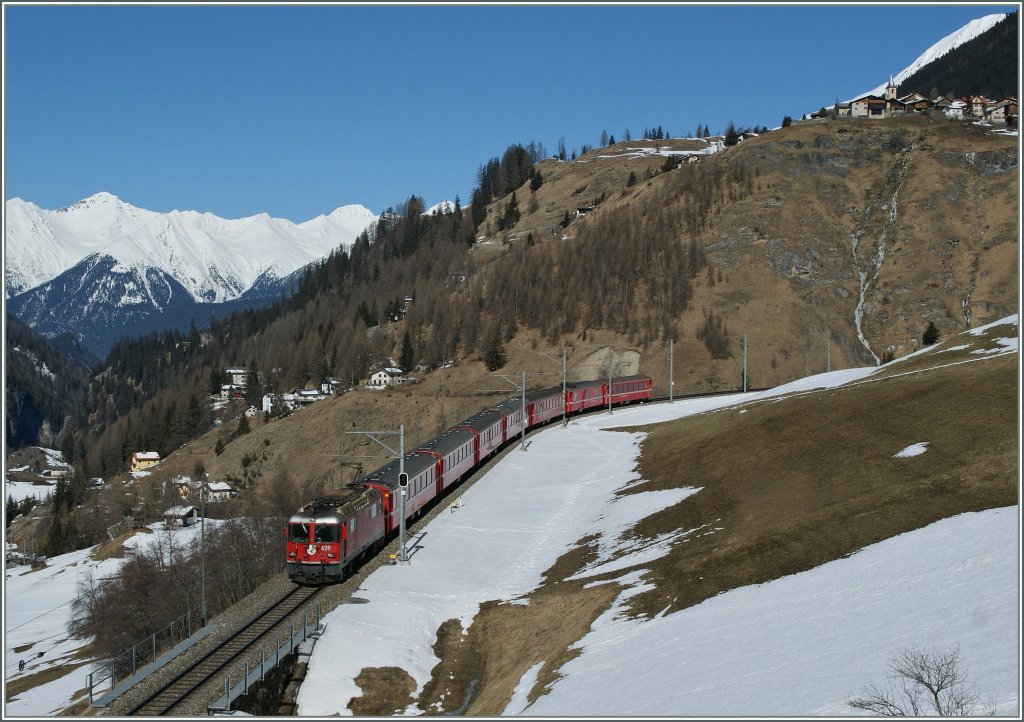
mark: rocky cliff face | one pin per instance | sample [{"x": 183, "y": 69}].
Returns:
[{"x": 874, "y": 229}]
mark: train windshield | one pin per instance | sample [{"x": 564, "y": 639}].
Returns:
[
  {"x": 326, "y": 533},
  {"x": 298, "y": 532}
]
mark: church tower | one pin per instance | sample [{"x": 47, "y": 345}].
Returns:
[{"x": 890, "y": 90}]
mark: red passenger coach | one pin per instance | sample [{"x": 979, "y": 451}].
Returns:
[
  {"x": 544, "y": 405},
  {"x": 454, "y": 454},
  {"x": 631, "y": 390},
  {"x": 585, "y": 395},
  {"x": 422, "y": 470},
  {"x": 486, "y": 427},
  {"x": 512, "y": 417}
]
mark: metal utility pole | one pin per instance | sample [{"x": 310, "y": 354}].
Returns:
[
  {"x": 202, "y": 544},
  {"x": 565, "y": 378},
  {"x": 611, "y": 355},
  {"x": 403, "y": 556},
  {"x": 828, "y": 352},
  {"x": 737, "y": 338},
  {"x": 671, "y": 366}
]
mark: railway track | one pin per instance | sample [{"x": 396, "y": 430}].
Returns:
[
  {"x": 175, "y": 694},
  {"x": 197, "y": 681}
]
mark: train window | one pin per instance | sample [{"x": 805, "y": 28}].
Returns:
[
  {"x": 298, "y": 532},
  {"x": 373, "y": 511},
  {"x": 352, "y": 525},
  {"x": 326, "y": 533}
]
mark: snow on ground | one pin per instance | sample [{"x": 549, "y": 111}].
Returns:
[
  {"x": 19, "y": 490},
  {"x": 37, "y": 609},
  {"x": 804, "y": 644},
  {"x": 801, "y": 645}
]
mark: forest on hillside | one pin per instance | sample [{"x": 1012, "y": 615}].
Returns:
[{"x": 985, "y": 65}]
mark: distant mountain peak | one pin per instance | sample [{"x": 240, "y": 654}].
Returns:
[{"x": 213, "y": 258}]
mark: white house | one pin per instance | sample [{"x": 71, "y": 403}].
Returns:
[
  {"x": 956, "y": 110},
  {"x": 219, "y": 491},
  {"x": 329, "y": 386},
  {"x": 238, "y": 376},
  {"x": 251, "y": 412},
  {"x": 386, "y": 377}
]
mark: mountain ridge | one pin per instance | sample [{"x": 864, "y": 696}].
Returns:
[{"x": 215, "y": 259}]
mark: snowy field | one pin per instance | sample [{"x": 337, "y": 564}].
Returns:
[
  {"x": 798, "y": 646},
  {"x": 37, "y": 609}
]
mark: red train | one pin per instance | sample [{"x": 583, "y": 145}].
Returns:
[{"x": 327, "y": 536}]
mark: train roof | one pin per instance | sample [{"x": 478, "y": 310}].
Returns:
[
  {"x": 415, "y": 463},
  {"x": 482, "y": 420},
  {"x": 448, "y": 442},
  {"x": 539, "y": 394},
  {"x": 343, "y": 502},
  {"x": 584, "y": 384},
  {"x": 615, "y": 380}
]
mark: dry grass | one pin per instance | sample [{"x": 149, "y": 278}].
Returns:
[
  {"x": 785, "y": 484},
  {"x": 114, "y": 548}
]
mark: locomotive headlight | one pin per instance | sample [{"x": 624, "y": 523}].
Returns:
[
  {"x": 330, "y": 555},
  {"x": 291, "y": 554}
]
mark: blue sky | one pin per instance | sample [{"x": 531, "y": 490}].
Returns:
[{"x": 296, "y": 110}]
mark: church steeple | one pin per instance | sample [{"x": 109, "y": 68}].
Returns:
[{"x": 890, "y": 89}]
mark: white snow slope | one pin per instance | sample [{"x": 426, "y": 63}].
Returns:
[
  {"x": 955, "y": 39},
  {"x": 215, "y": 259},
  {"x": 797, "y": 646}
]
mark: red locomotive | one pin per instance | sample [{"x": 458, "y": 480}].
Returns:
[{"x": 332, "y": 533}]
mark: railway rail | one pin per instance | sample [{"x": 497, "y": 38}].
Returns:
[
  {"x": 175, "y": 693},
  {"x": 198, "y": 681}
]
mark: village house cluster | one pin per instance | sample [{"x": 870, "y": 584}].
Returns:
[
  {"x": 299, "y": 398},
  {"x": 890, "y": 104}
]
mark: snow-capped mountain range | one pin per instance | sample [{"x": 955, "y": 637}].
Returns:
[
  {"x": 955, "y": 39},
  {"x": 103, "y": 269},
  {"x": 214, "y": 259}
]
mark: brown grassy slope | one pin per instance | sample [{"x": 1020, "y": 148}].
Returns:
[
  {"x": 953, "y": 188},
  {"x": 799, "y": 482},
  {"x": 785, "y": 485},
  {"x": 783, "y": 252}
]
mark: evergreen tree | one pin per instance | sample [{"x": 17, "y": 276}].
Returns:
[
  {"x": 931, "y": 334},
  {"x": 11, "y": 511},
  {"x": 407, "y": 357},
  {"x": 786, "y": 121},
  {"x": 731, "y": 136},
  {"x": 511, "y": 215},
  {"x": 632, "y": 180},
  {"x": 604, "y": 138},
  {"x": 536, "y": 180},
  {"x": 494, "y": 353}
]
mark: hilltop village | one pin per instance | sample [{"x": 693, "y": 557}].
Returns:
[{"x": 890, "y": 104}]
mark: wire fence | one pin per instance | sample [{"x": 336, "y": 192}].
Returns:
[{"x": 129, "y": 661}]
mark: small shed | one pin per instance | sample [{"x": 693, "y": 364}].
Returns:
[{"x": 181, "y": 516}]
